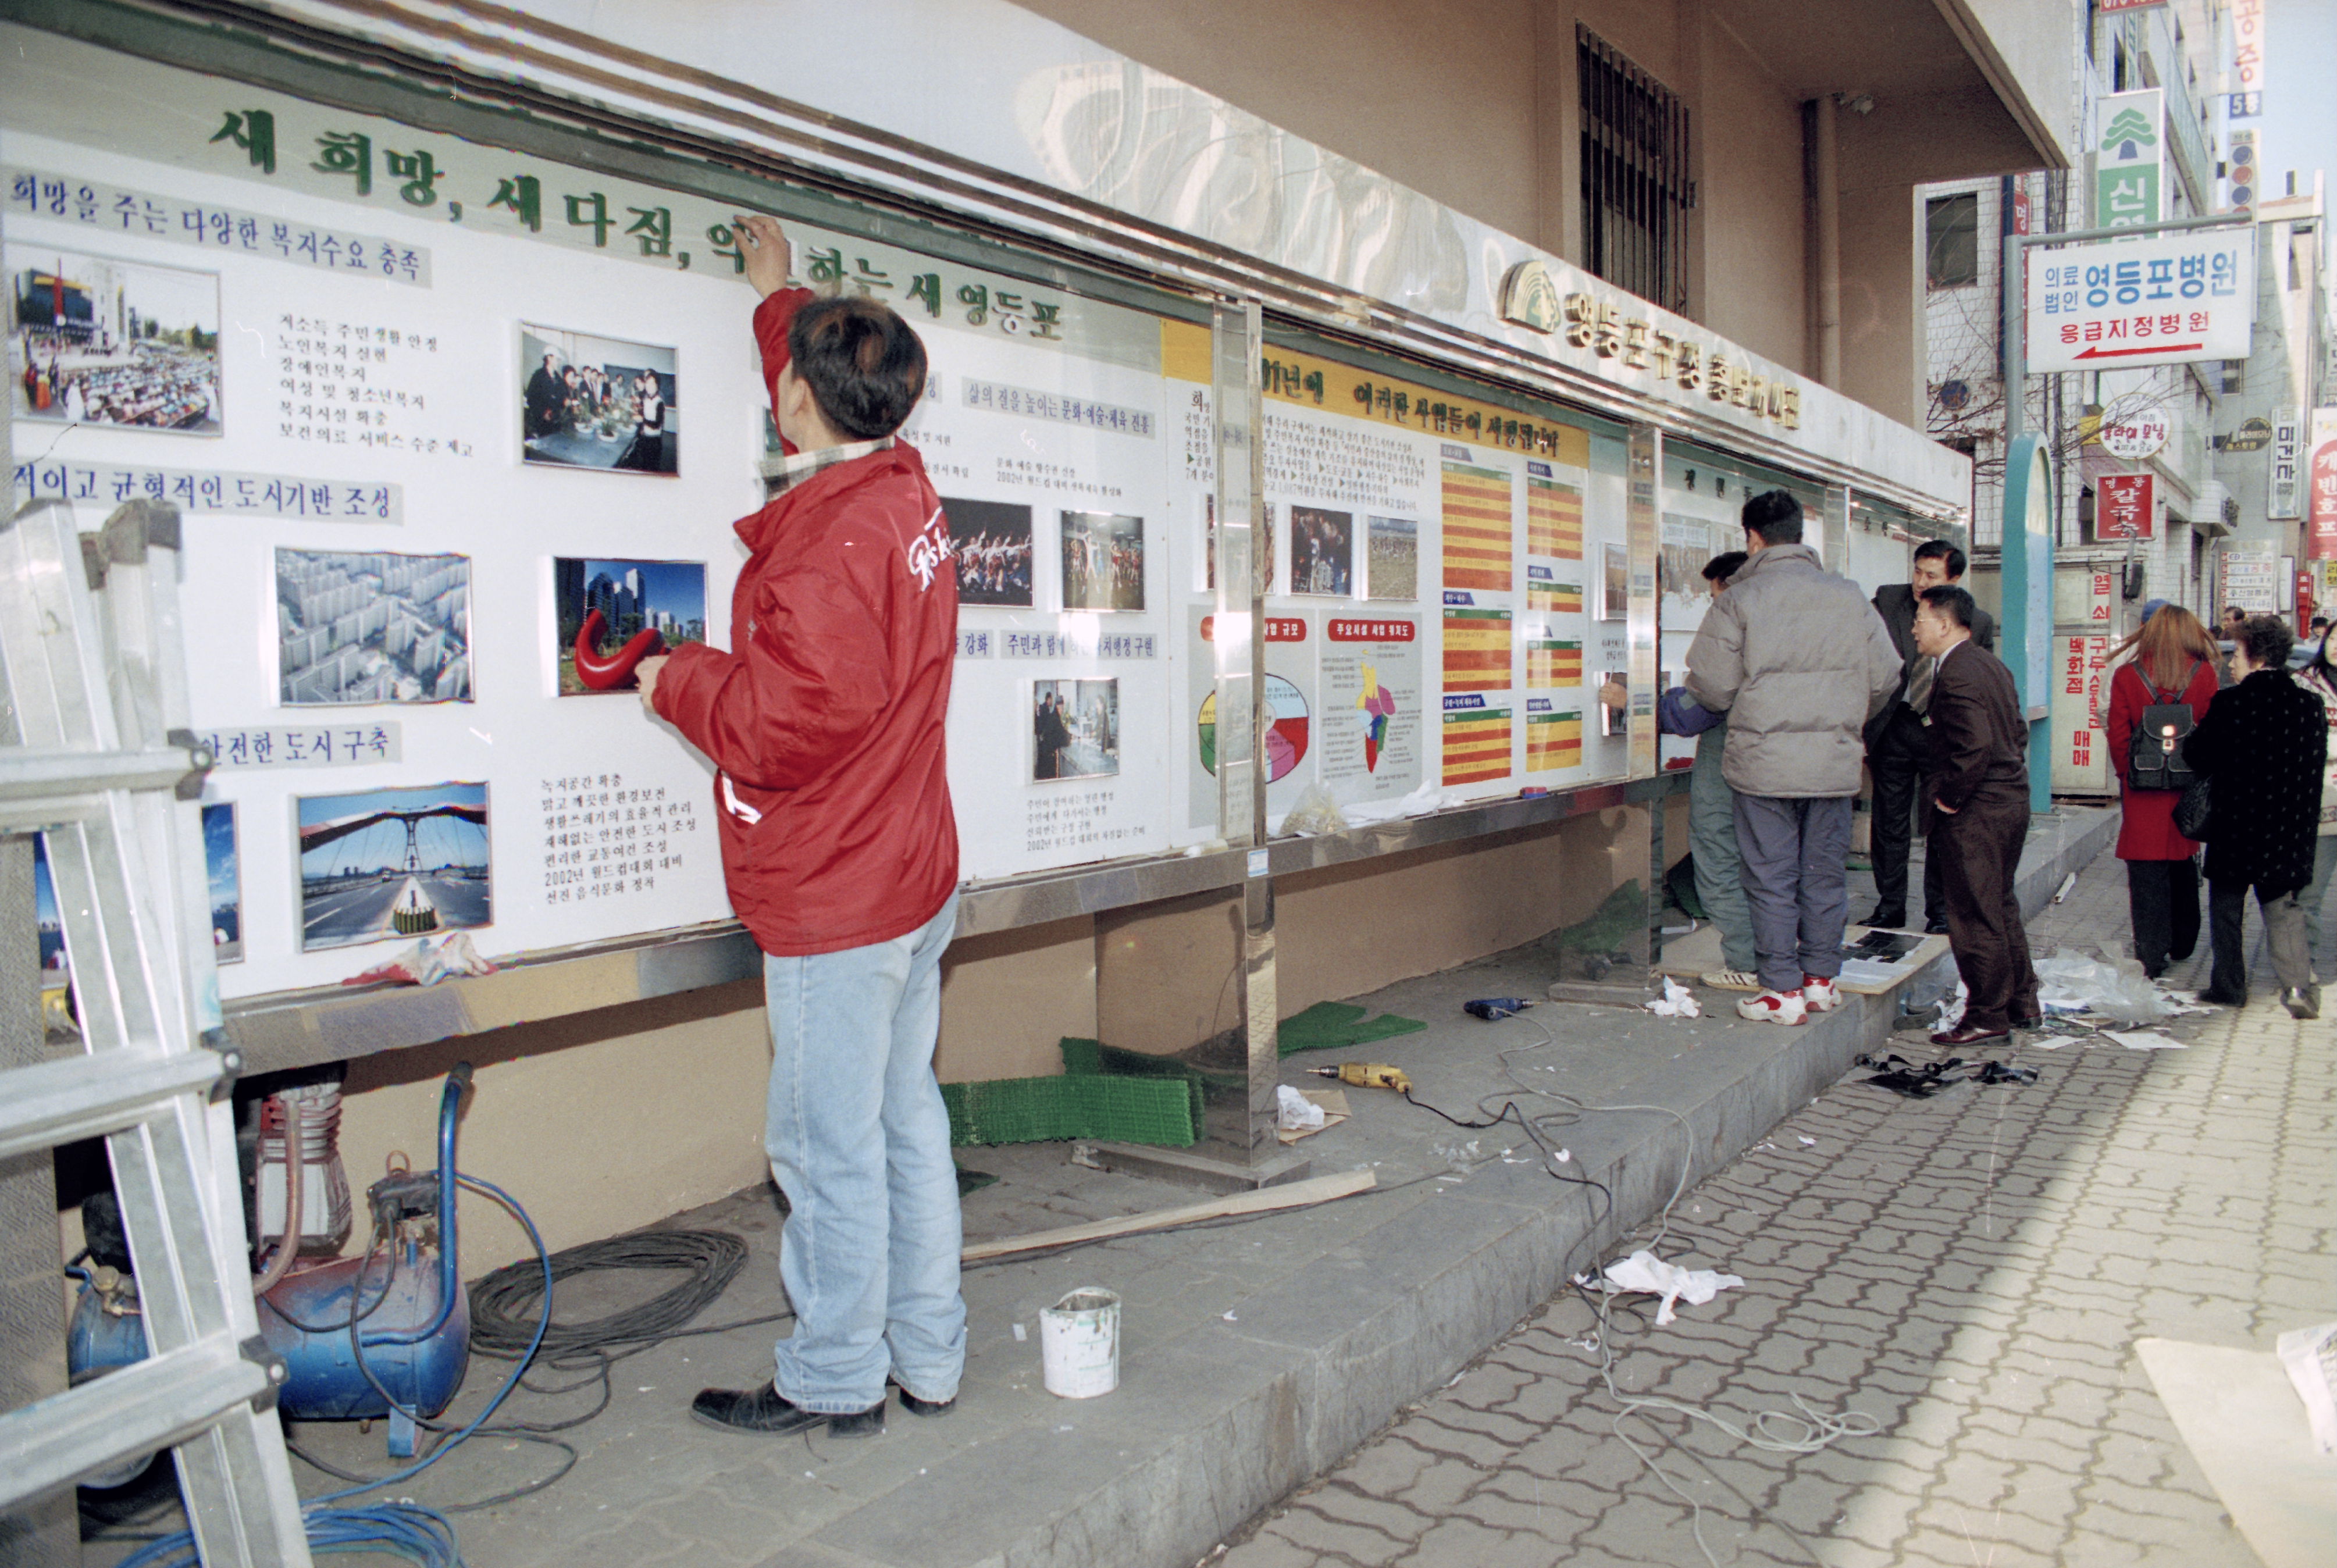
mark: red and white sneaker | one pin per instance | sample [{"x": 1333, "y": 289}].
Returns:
[
  {"x": 1775, "y": 1007},
  {"x": 1820, "y": 995}
]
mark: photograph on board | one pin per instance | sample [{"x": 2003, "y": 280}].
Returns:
[
  {"x": 1075, "y": 730},
  {"x": 1264, "y": 545},
  {"x": 1103, "y": 562},
  {"x": 1686, "y": 546},
  {"x": 589, "y": 402},
  {"x": 372, "y": 628},
  {"x": 992, "y": 541},
  {"x": 223, "y": 878},
  {"x": 379, "y": 864},
  {"x": 1321, "y": 552},
  {"x": 97, "y": 342},
  {"x": 1391, "y": 569},
  {"x": 609, "y": 616},
  {"x": 1615, "y": 583}
]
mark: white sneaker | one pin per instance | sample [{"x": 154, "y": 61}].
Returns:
[
  {"x": 1820, "y": 995},
  {"x": 1774, "y": 1006},
  {"x": 1731, "y": 979}
]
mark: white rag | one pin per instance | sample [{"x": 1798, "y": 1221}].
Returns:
[
  {"x": 1643, "y": 1270},
  {"x": 1676, "y": 1002},
  {"x": 1293, "y": 1112}
]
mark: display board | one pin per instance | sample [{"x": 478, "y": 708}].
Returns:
[{"x": 450, "y": 424}]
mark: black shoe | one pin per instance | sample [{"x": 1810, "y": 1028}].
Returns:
[
  {"x": 917, "y": 1406},
  {"x": 1886, "y": 920},
  {"x": 1935, "y": 927},
  {"x": 2218, "y": 999},
  {"x": 766, "y": 1412}
]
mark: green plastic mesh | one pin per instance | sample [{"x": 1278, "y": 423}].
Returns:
[
  {"x": 1076, "y": 1105},
  {"x": 1329, "y": 1024}
]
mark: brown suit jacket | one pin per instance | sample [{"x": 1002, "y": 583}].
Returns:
[{"x": 1979, "y": 744}]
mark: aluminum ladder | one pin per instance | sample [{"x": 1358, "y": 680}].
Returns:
[{"x": 95, "y": 755}]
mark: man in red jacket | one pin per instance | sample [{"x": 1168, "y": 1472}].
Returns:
[{"x": 826, "y": 722}]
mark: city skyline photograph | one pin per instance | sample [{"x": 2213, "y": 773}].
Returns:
[{"x": 633, "y": 598}]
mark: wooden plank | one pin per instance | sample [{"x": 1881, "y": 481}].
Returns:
[{"x": 1297, "y": 1195}]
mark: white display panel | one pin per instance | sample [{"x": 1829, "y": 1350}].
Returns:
[{"x": 429, "y": 407}]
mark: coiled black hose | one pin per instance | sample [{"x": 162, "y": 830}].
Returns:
[{"x": 506, "y": 1305}]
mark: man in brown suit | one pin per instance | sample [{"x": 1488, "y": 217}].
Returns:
[{"x": 1978, "y": 815}]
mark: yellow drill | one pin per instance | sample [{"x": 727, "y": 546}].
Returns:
[{"x": 1366, "y": 1075}]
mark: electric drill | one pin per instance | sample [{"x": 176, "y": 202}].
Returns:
[{"x": 1366, "y": 1075}]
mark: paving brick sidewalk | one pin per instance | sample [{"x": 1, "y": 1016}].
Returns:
[{"x": 1970, "y": 1271}]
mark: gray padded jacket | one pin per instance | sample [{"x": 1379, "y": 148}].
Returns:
[{"x": 1799, "y": 659}]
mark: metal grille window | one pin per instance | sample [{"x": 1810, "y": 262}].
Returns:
[
  {"x": 1951, "y": 240},
  {"x": 1636, "y": 190}
]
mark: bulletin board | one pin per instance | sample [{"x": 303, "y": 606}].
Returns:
[{"x": 449, "y": 423}]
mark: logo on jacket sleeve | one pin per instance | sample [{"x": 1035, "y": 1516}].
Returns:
[{"x": 929, "y": 550}]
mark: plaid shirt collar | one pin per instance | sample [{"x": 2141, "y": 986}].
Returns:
[{"x": 783, "y": 475}]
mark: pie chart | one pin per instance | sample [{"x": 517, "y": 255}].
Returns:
[{"x": 1286, "y": 724}]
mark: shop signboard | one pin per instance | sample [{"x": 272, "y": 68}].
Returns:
[
  {"x": 2163, "y": 299},
  {"x": 2124, "y": 506},
  {"x": 2134, "y": 436},
  {"x": 2252, "y": 579},
  {"x": 2253, "y": 434},
  {"x": 2247, "y": 71},
  {"x": 2129, "y": 157},
  {"x": 2284, "y": 495},
  {"x": 2321, "y": 483}
]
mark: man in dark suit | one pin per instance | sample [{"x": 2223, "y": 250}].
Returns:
[
  {"x": 1977, "y": 814},
  {"x": 1896, "y": 751}
]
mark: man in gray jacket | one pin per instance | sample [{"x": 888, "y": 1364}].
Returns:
[{"x": 1799, "y": 660}]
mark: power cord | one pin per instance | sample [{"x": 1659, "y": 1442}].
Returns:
[{"x": 1769, "y": 1431}]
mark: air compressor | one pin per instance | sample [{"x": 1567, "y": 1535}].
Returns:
[{"x": 384, "y": 1334}]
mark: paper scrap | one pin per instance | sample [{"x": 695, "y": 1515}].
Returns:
[
  {"x": 1676, "y": 1002},
  {"x": 2144, "y": 1040},
  {"x": 1644, "y": 1271}
]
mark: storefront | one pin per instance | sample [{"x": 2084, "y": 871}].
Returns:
[{"x": 438, "y": 340}]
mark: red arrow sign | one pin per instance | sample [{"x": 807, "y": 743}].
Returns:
[{"x": 2153, "y": 348}]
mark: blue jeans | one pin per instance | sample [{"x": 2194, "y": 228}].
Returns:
[{"x": 860, "y": 1142}]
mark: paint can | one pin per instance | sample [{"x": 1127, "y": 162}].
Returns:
[{"x": 1079, "y": 1343}]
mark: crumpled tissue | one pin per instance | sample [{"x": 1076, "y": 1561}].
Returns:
[
  {"x": 1419, "y": 803},
  {"x": 1676, "y": 1002},
  {"x": 1293, "y": 1112},
  {"x": 1643, "y": 1270},
  {"x": 423, "y": 965}
]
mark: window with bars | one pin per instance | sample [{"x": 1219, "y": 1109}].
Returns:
[{"x": 1636, "y": 190}]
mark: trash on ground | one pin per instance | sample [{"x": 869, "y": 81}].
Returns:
[
  {"x": 2310, "y": 1357},
  {"x": 1294, "y": 1113},
  {"x": 1902, "y": 1077},
  {"x": 2144, "y": 1040},
  {"x": 1676, "y": 1002},
  {"x": 2069, "y": 982},
  {"x": 1644, "y": 1271},
  {"x": 1492, "y": 1009},
  {"x": 1951, "y": 1009}
]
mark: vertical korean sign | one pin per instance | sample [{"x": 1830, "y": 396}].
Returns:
[
  {"x": 2321, "y": 481},
  {"x": 2123, "y": 507},
  {"x": 2284, "y": 495},
  {"x": 2128, "y": 158}
]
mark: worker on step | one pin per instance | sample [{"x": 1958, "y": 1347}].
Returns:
[{"x": 825, "y": 720}]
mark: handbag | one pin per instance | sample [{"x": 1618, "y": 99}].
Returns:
[{"x": 2194, "y": 810}]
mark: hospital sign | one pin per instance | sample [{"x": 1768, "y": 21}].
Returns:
[{"x": 2116, "y": 304}]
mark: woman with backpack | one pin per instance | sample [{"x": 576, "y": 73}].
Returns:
[
  {"x": 2262, "y": 747},
  {"x": 2170, "y": 664}
]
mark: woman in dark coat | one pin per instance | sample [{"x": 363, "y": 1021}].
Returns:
[
  {"x": 2173, "y": 661},
  {"x": 2264, "y": 744}
]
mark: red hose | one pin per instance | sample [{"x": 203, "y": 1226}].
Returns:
[{"x": 603, "y": 673}]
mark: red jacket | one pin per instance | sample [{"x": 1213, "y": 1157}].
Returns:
[
  {"x": 826, "y": 717},
  {"x": 2147, "y": 816}
]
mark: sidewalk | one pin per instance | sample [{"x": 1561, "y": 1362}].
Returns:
[
  {"x": 1971, "y": 1271},
  {"x": 1254, "y": 1355}
]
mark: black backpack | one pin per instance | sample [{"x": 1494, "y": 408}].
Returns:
[{"x": 2155, "y": 759}]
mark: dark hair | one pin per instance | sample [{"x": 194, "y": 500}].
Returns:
[
  {"x": 1952, "y": 603},
  {"x": 1940, "y": 549},
  {"x": 865, "y": 367},
  {"x": 1775, "y": 515},
  {"x": 2232, "y": 609},
  {"x": 2320, "y": 620},
  {"x": 1723, "y": 566},
  {"x": 2267, "y": 639}
]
